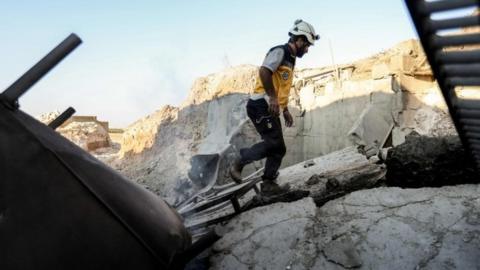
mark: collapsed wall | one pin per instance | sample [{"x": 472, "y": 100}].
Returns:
[
  {"x": 156, "y": 150},
  {"x": 372, "y": 103},
  {"x": 240, "y": 79},
  {"x": 85, "y": 131}
]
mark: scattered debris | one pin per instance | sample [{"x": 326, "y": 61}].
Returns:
[{"x": 429, "y": 162}]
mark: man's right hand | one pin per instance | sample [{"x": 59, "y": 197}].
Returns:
[{"x": 273, "y": 107}]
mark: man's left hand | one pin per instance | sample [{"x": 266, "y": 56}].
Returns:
[{"x": 288, "y": 118}]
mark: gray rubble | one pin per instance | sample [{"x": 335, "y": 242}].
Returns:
[
  {"x": 382, "y": 228},
  {"x": 328, "y": 177}
]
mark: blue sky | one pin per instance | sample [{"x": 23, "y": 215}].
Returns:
[{"x": 137, "y": 56}]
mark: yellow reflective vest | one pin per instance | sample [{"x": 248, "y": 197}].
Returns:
[{"x": 282, "y": 77}]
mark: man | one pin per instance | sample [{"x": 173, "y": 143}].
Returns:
[{"x": 269, "y": 99}]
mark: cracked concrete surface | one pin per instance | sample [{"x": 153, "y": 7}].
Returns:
[
  {"x": 269, "y": 237},
  {"x": 382, "y": 228}
]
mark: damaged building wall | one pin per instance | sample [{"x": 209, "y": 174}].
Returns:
[
  {"x": 85, "y": 131},
  {"x": 240, "y": 79},
  {"x": 374, "y": 101},
  {"x": 157, "y": 149},
  {"x": 344, "y": 114}
]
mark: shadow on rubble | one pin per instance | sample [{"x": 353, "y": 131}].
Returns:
[
  {"x": 172, "y": 142},
  {"x": 419, "y": 162},
  {"x": 429, "y": 162}
]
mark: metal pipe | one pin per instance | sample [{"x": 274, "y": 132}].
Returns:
[
  {"x": 62, "y": 118},
  {"x": 420, "y": 11},
  {"x": 436, "y": 6},
  {"x": 463, "y": 81},
  {"x": 460, "y": 70},
  {"x": 468, "y": 104},
  {"x": 471, "y": 128},
  {"x": 34, "y": 74},
  {"x": 436, "y": 25},
  {"x": 472, "y": 114},
  {"x": 475, "y": 148},
  {"x": 477, "y": 141},
  {"x": 455, "y": 40},
  {"x": 472, "y": 135},
  {"x": 472, "y": 122},
  {"x": 458, "y": 57}
]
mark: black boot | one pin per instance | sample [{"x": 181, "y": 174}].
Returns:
[{"x": 269, "y": 187}]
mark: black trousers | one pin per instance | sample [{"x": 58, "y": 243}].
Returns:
[{"x": 270, "y": 129}]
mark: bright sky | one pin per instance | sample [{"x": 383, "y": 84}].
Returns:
[{"x": 138, "y": 56}]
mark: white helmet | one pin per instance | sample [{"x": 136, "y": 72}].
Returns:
[{"x": 302, "y": 28}]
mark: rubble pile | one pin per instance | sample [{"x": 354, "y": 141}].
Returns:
[
  {"x": 368, "y": 158},
  {"x": 430, "y": 162},
  {"x": 379, "y": 100},
  {"x": 86, "y": 132},
  {"x": 426, "y": 228}
]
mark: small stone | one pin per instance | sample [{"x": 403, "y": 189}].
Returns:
[
  {"x": 332, "y": 184},
  {"x": 374, "y": 160},
  {"x": 342, "y": 251},
  {"x": 308, "y": 163},
  {"x": 313, "y": 180}
]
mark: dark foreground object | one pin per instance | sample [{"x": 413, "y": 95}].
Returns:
[
  {"x": 453, "y": 64},
  {"x": 60, "y": 208}
]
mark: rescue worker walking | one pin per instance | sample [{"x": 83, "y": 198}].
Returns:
[{"x": 270, "y": 98}]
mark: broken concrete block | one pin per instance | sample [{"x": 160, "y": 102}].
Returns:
[
  {"x": 384, "y": 153},
  {"x": 374, "y": 159},
  {"x": 407, "y": 118},
  {"x": 398, "y": 136},
  {"x": 371, "y": 127},
  {"x": 346, "y": 73},
  {"x": 371, "y": 150},
  {"x": 269, "y": 237},
  {"x": 380, "y": 71},
  {"x": 411, "y": 101},
  {"x": 387, "y": 229},
  {"x": 402, "y": 63},
  {"x": 414, "y": 84},
  {"x": 342, "y": 251}
]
